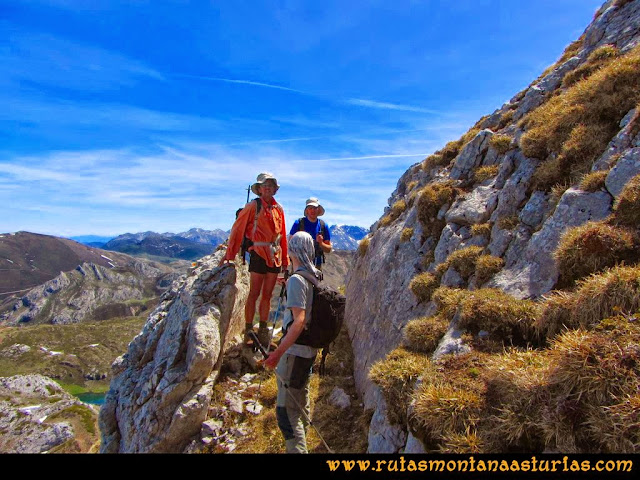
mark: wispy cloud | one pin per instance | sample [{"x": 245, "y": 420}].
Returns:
[
  {"x": 364, "y": 157},
  {"x": 390, "y": 106},
  {"x": 240, "y": 82},
  {"x": 48, "y": 60},
  {"x": 192, "y": 188},
  {"x": 349, "y": 101}
]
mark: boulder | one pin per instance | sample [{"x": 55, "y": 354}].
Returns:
[{"x": 162, "y": 386}]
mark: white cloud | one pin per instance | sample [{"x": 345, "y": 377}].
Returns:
[{"x": 190, "y": 189}]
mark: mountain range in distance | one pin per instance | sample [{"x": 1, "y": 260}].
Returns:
[{"x": 197, "y": 242}]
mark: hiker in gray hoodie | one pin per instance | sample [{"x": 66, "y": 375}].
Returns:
[{"x": 292, "y": 361}]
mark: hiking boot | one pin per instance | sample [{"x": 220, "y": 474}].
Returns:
[
  {"x": 264, "y": 336},
  {"x": 247, "y": 339}
]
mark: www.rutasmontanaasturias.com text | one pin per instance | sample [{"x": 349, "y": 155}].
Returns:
[{"x": 481, "y": 465}]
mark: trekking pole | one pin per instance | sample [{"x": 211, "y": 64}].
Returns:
[
  {"x": 283, "y": 293},
  {"x": 265, "y": 354}
]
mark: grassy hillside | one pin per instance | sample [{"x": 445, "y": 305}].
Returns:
[{"x": 68, "y": 353}]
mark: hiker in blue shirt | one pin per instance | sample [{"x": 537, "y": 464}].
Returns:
[{"x": 315, "y": 227}]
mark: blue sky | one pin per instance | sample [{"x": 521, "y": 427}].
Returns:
[{"x": 132, "y": 116}]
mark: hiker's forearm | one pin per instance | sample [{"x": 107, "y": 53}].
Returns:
[
  {"x": 325, "y": 246},
  {"x": 294, "y": 331}
]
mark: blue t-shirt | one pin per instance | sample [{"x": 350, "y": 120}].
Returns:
[{"x": 313, "y": 229}]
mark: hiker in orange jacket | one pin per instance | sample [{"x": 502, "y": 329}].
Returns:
[{"x": 262, "y": 222}]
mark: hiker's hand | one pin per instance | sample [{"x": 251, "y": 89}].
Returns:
[
  {"x": 223, "y": 261},
  {"x": 319, "y": 238},
  {"x": 272, "y": 360}
]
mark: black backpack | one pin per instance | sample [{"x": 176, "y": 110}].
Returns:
[{"x": 327, "y": 316}]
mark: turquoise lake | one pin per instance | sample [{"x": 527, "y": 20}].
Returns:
[{"x": 93, "y": 398}]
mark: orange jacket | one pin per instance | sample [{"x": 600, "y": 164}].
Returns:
[{"x": 270, "y": 225}]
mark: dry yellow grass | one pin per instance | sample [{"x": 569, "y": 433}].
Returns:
[
  {"x": 592, "y": 247},
  {"x": 481, "y": 229},
  {"x": 555, "y": 315},
  {"x": 606, "y": 294},
  {"x": 596, "y": 60},
  {"x": 423, "y": 285},
  {"x": 485, "y": 173},
  {"x": 448, "y": 299},
  {"x": 626, "y": 210},
  {"x": 423, "y": 334},
  {"x": 432, "y": 198},
  {"x": 515, "y": 389},
  {"x": 396, "y": 376},
  {"x": 594, "y": 181},
  {"x": 577, "y": 124},
  {"x": 486, "y": 267},
  {"x": 501, "y": 143},
  {"x": 508, "y": 222},
  {"x": 363, "y": 246},
  {"x": 498, "y": 313},
  {"x": 462, "y": 261},
  {"x": 394, "y": 212},
  {"x": 441, "y": 408},
  {"x": 505, "y": 119},
  {"x": 406, "y": 234},
  {"x": 448, "y": 404}
]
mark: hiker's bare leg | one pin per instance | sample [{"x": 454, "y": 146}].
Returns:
[
  {"x": 265, "y": 300},
  {"x": 255, "y": 286}
]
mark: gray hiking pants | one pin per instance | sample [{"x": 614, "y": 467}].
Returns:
[{"x": 293, "y": 395}]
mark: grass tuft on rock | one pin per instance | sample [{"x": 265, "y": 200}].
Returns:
[
  {"x": 406, "y": 234},
  {"x": 501, "y": 143},
  {"x": 592, "y": 247},
  {"x": 396, "y": 376},
  {"x": 422, "y": 335},
  {"x": 626, "y": 210},
  {"x": 462, "y": 261},
  {"x": 485, "y": 173},
  {"x": 596, "y": 60},
  {"x": 423, "y": 285},
  {"x": 481, "y": 229},
  {"x": 486, "y": 267},
  {"x": 498, "y": 313},
  {"x": 594, "y": 181},
  {"x": 363, "y": 246},
  {"x": 432, "y": 198},
  {"x": 574, "y": 127}
]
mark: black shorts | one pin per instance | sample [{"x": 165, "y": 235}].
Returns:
[{"x": 258, "y": 264}]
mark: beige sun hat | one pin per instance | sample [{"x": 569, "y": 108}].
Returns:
[
  {"x": 263, "y": 177},
  {"x": 313, "y": 202}
]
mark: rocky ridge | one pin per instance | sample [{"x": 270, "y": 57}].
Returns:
[
  {"x": 161, "y": 388},
  {"x": 501, "y": 213},
  {"x": 90, "y": 292},
  {"x": 38, "y": 416}
]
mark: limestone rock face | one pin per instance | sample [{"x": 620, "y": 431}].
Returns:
[
  {"x": 383, "y": 437},
  {"x": 471, "y": 155},
  {"x": 535, "y": 271},
  {"x": 75, "y": 296},
  {"x": 162, "y": 386},
  {"x": 379, "y": 300},
  {"x": 32, "y": 414},
  {"x": 627, "y": 166},
  {"x": 504, "y": 215}
]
